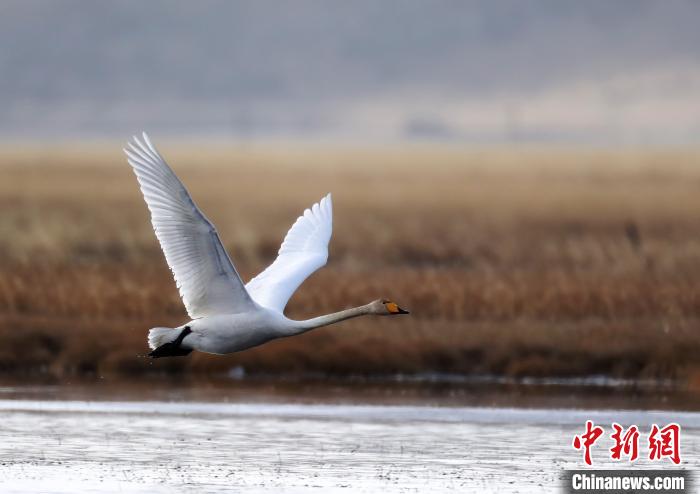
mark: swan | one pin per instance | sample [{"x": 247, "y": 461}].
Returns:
[{"x": 226, "y": 315}]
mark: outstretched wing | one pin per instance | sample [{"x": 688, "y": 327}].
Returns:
[
  {"x": 303, "y": 251},
  {"x": 205, "y": 276}
]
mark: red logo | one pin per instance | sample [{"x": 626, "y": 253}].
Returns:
[
  {"x": 662, "y": 443},
  {"x": 627, "y": 443},
  {"x": 665, "y": 443},
  {"x": 587, "y": 440}
]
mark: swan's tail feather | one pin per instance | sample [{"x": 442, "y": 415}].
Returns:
[{"x": 160, "y": 336}]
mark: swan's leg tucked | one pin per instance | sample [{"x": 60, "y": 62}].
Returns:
[{"x": 173, "y": 348}]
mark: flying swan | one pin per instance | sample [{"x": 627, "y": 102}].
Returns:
[{"x": 226, "y": 315}]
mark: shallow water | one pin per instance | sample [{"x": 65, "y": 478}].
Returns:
[{"x": 55, "y": 440}]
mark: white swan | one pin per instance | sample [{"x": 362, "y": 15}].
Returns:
[{"x": 228, "y": 316}]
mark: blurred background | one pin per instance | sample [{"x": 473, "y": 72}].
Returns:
[
  {"x": 523, "y": 176},
  {"x": 367, "y": 72}
]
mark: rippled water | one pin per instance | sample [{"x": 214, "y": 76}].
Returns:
[{"x": 62, "y": 446}]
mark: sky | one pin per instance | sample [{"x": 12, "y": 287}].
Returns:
[{"x": 562, "y": 71}]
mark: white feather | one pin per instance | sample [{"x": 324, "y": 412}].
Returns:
[
  {"x": 303, "y": 251},
  {"x": 161, "y": 336},
  {"x": 208, "y": 282}
]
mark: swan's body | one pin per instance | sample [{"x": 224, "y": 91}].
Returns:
[{"x": 228, "y": 316}]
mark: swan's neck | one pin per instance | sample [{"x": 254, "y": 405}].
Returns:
[{"x": 317, "y": 322}]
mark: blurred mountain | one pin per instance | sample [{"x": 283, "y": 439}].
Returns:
[{"x": 470, "y": 71}]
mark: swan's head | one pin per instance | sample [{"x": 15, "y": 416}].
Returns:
[{"x": 384, "y": 307}]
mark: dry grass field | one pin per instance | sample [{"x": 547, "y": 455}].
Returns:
[{"x": 521, "y": 262}]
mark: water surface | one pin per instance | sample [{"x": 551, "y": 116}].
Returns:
[{"x": 55, "y": 439}]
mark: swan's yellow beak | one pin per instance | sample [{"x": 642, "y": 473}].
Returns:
[{"x": 395, "y": 309}]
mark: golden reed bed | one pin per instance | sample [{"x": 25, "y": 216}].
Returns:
[{"x": 519, "y": 262}]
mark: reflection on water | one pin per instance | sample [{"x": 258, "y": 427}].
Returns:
[
  {"x": 437, "y": 391},
  {"x": 266, "y": 437}
]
